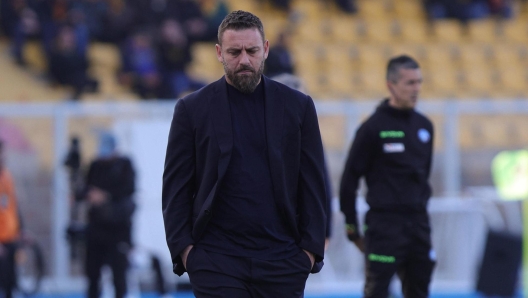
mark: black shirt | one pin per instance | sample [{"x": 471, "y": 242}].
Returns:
[{"x": 246, "y": 221}]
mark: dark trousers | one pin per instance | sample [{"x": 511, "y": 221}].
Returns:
[
  {"x": 7, "y": 270},
  {"x": 111, "y": 253},
  {"x": 400, "y": 244},
  {"x": 221, "y": 276}
]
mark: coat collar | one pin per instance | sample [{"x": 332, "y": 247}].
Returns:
[{"x": 221, "y": 116}]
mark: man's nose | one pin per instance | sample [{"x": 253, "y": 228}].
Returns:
[{"x": 244, "y": 58}]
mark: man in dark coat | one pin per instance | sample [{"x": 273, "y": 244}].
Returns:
[{"x": 243, "y": 187}]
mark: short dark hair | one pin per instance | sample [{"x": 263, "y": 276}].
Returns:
[
  {"x": 397, "y": 63},
  {"x": 240, "y": 20}
]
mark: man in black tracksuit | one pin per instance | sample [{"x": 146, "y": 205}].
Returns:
[
  {"x": 110, "y": 186},
  {"x": 393, "y": 151}
]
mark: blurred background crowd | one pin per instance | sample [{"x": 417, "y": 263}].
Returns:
[{"x": 163, "y": 49}]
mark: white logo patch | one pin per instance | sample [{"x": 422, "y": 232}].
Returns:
[
  {"x": 424, "y": 135},
  {"x": 393, "y": 147}
]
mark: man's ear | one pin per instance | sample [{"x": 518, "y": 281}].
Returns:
[
  {"x": 266, "y": 49},
  {"x": 389, "y": 86},
  {"x": 219, "y": 53}
]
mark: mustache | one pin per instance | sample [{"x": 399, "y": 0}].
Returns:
[{"x": 245, "y": 68}]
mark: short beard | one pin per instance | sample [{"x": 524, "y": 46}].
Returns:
[{"x": 244, "y": 83}]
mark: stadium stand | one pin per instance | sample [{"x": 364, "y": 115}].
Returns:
[{"x": 485, "y": 57}]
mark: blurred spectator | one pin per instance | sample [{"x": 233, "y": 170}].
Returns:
[
  {"x": 174, "y": 54},
  {"x": 92, "y": 12},
  {"x": 189, "y": 14},
  {"x": 139, "y": 66},
  {"x": 465, "y": 10},
  {"x": 9, "y": 15},
  {"x": 68, "y": 64},
  {"x": 279, "y": 58},
  {"x": 10, "y": 227},
  {"x": 348, "y": 6},
  {"x": 37, "y": 18},
  {"x": 110, "y": 185},
  {"x": 117, "y": 22},
  {"x": 501, "y": 8},
  {"x": 214, "y": 11}
]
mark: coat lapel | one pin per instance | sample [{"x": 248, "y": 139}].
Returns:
[
  {"x": 274, "y": 107},
  {"x": 221, "y": 115}
]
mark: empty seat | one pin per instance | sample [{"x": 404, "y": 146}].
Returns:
[
  {"x": 414, "y": 30},
  {"x": 340, "y": 82},
  {"x": 316, "y": 31},
  {"x": 481, "y": 80},
  {"x": 515, "y": 30},
  {"x": 514, "y": 78},
  {"x": 408, "y": 9},
  {"x": 484, "y": 30},
  {"x": 415, "y": 51},
  {"x": 439, "y": 56},
  {"x": 474, "y": 56},
  {"x": 344, "y": 30},
  {"x": 309, "y": 10},
  {"x": 447, "y": 30},
  {"x": 381, "y": 31},
  {"x": 373, "y": 9}
]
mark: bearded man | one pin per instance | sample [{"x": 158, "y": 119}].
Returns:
[{"x": 243, "y": 187}]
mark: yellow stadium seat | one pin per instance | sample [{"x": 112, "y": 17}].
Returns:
[
  {"x": 515, "y": 30},
  {"x": 371, "y": 84},
  {"x": 338, "y": 57},
  {"x": 310, "y": 10},
  {"x": 316, "y": 83},
  {"x": 409, "y": 9},
  {"x": 416, "y": 51},
  {"x": 344, "y": 30},
  {"x": 251, "y": 6},
  {"x": 414, "y": 30},
  {"x": 340, "y": 82},
  {"x": 273, "y": 26},
  {"x": 481, "y": 80},
  {"x": 514, "y": 78},
  {"x": 474, "y": 55},
  {"x": 483, "y": 30},
  {"x": 308, "y": 57},
  {"x": 316, "y": 31},
  {"x": 373, "y": 9},
  {"x": 447, "y": 30},
  {"x": 506, "y": 54},
  {"x": 372, "y": 57},
  {"x": 439, "y": 56},
  {"x": 445, "y": 82},
  {"x": 380, "y": 31}
]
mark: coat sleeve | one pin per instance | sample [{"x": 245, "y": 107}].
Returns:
[
  {"x": 312, "y": 193},
  {"x": 179, "y": 185},
  {"x": 357, "y": 164}
]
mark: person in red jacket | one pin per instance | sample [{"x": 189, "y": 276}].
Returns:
[{"x": 10, "y": 227}]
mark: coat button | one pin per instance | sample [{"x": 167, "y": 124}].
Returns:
[{"x": 207, "y": 212}]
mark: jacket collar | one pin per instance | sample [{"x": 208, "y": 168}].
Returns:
[{"x": 221, "y": 117}]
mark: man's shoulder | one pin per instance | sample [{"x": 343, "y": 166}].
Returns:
[
  {"x": 423, "y": 118},
  {"x": 202, "y": 94}
]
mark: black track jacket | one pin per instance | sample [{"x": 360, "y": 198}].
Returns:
[{"x": 393, "y": 151}]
